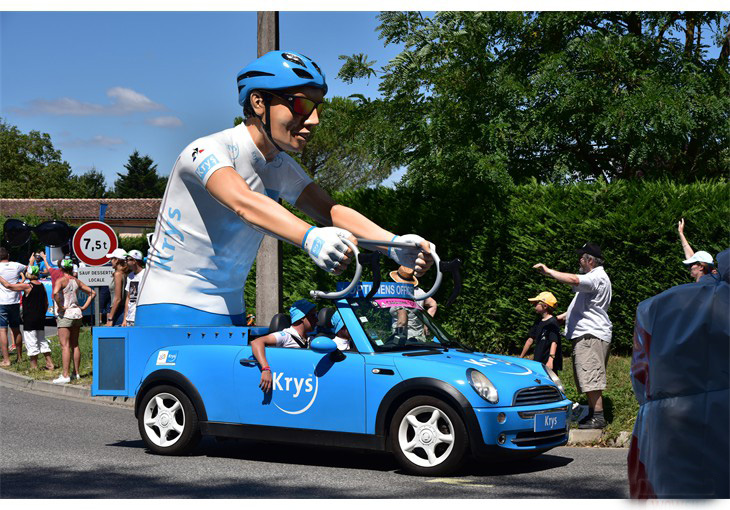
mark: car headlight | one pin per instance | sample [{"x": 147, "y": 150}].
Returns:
[
  {"x": 482, "y": 385},
  {"x": 554, "y": 377}
]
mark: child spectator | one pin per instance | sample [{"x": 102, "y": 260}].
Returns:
[
  {"x": 545, "y": 333},
  {"x": 35, "y": 304}
]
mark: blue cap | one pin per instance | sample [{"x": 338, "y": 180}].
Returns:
[
  {"x": 337, "y": 322},
  {"x": 299, "y": 309}
]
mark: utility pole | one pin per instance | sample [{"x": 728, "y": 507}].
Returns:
[{"x": 269, "y": 258}]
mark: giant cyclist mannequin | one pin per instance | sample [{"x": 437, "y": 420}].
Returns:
[{"x": 221, "y": 198}]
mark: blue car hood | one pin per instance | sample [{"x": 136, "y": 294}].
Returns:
[{"x": 507, "y": 373}]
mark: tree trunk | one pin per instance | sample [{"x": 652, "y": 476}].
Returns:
[{"x": 689, "y": 34}]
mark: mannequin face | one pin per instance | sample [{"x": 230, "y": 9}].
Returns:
[{"x": 290, "y": 130}]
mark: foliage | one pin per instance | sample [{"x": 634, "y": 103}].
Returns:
[
  {"x": 340, "y": 154},
  {"x": 91, "y": 184},
  {"x": 141, "y": 179},
  {"x": 554, "y": 95},
  {"x": 85, "y": 370},
  {"x": 619, "y": 402},
  {"x": 501, "y": 232},
  {"x": 128, "y": 243},
  {"x": 30, "y": 167}
]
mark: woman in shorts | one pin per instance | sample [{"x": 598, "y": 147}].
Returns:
[{"x": 68, "y": 319}]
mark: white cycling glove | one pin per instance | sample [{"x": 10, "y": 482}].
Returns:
[
  {"x": 407, "y": 256},
  {"x": 324, "y": 245}
]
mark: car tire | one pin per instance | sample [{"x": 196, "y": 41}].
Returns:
[
  {"x": 428, "y": 437},
  {"x": 167, "y": 421}
]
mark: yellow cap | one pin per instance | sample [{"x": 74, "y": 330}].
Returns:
[{"x": 547, "y": 298}]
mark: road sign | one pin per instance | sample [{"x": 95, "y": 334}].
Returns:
[
  {"x": 92, "y": 241},
  {"x": 96, "y": 276}
]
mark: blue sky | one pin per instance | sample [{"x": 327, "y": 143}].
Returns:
[{"x": 103, "y": 84}]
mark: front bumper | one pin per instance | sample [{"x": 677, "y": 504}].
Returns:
[{"x": 516, "y": 435}]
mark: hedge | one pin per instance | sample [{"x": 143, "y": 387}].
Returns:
[{"x": 500, "y": 231}]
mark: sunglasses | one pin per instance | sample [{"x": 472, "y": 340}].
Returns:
[
  {"x": 300, "y": 105},
  {"x": 52, "y": 233}
]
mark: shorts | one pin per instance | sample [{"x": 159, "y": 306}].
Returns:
[
  {"x": 62, "y": 322},
  {"x": 590, "y": 357},
  {"x": 36, "y": 342},
  {"x": 10, "y": 316}
]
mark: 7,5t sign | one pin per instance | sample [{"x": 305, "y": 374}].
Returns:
[{"x": 92, "y": 241}]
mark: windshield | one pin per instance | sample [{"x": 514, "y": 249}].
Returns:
[{"x": 397, "y": 324}]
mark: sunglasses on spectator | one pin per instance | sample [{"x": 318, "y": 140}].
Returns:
[
  {"x": 52, "y": 233},
  {"x": 300, "y": 105}
]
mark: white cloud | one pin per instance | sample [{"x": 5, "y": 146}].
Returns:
[
  {"x": 123, "y": 101},
  {"x": 167, "y": 122},
  {"x": 96, "y": 141}
]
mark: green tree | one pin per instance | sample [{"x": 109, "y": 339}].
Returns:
[
  {"x": 31, "y": 167},
  {"x": 141, "y": 179},
  {"x": 91, "y": 184},
  {"x": 340, "y": 154},
  {"x": 554, "y": 95}
]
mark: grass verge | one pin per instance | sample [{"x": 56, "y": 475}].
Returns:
[
  {"x": 85, "y": 370},
  {"x": 619, "y": 404}
]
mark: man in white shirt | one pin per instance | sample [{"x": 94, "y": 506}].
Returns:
[
  {"x": 587, "y": 325},
  {"x": 135, "y": 262},
  {"x": 303, "y": 315},
  {"x": 10, "y": 307}
]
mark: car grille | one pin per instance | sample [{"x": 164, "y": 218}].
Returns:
[
  {"x": 528, "y": 415},
  {"x": 537, "y": 395},
  {"x": 539, "y": 438}
]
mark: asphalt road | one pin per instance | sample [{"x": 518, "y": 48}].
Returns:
[{"x": 59, "y": 448}]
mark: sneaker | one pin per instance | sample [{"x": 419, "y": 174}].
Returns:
[
  {"x": 77, "y": 377},
  {"x": 594, "y": 422},
  {"x": 62, "y": 380}
]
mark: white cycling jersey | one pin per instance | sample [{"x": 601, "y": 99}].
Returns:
[{"x": 202, "y": 251}]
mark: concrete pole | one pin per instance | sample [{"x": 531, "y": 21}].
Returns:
[{"x": 269, "y": 258}]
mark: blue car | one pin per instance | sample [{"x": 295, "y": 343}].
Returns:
[{"x": 419, "y": 394}]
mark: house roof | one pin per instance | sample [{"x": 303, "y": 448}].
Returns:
[{"x": 81, "y": 208}]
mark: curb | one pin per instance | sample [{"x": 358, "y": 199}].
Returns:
[
  {"x": 72, "y": 391},
  {"x": 592, "y": 437}
]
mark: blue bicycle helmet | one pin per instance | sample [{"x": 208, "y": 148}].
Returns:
[{"x": 279, "y": 70}]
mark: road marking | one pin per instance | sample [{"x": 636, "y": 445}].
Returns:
[{"x": 463, "y": 482}]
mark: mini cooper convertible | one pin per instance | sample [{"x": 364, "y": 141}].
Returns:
[{"x": 416, "y": 392}]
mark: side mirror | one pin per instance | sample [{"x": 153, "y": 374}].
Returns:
[{"x": 323, "y": 345}]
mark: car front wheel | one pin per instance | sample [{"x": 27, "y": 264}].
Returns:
[
  {"x": 427, "y": 436},
  {"x": 168, "y": 422}
]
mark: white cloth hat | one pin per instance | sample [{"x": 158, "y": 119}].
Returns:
[
  {"x": 118, "y": 253},
  {"x": 135, "y": 254},
  {"x": 700, "y": 256}
]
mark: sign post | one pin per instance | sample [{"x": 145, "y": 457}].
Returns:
[{"x": 91, "y": 243}]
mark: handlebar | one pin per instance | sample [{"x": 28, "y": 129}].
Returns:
[
  {"x": 318, "y": 294},
  {"x": 374, "y": 260}
]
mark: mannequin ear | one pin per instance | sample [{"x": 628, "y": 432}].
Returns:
[{"x": 257, "y": 102}]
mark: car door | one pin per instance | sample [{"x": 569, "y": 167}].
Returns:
[{"x": 310, "y": 390}]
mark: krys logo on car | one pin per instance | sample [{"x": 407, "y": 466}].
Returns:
[
  {"x": 294, "y": 395},
  {"x": 166, "y": 358}
]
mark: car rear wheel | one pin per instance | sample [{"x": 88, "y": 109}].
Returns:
[
  {"x": 168, "y": 422},
  {"x": 427, "y": 436}
]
